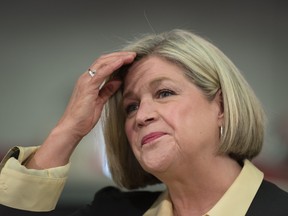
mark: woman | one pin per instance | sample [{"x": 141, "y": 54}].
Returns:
[{"x": 177, "y": 111}]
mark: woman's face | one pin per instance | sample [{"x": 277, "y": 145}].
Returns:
[{"x": 169, "y": 120}]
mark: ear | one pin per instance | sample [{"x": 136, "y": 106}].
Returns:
[{"x": 218, "y": 99}]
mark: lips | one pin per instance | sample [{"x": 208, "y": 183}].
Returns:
[{"x": 151, "y": 137}]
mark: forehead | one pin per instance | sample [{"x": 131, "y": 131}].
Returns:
[{"x": 151, "y": 68}]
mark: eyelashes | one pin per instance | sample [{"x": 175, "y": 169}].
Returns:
[
  {"x": 131, "y": 108},
  {"x": 161, "y": 94}
]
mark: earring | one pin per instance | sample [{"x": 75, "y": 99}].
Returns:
[{"x": 221, "y": 131}]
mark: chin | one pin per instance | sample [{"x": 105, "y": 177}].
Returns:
[
  {"x": 157, "y": 158},
  {"x": 156, "y": 165}
]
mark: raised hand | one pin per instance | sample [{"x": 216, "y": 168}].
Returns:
[{"x": 83, "y": 111}]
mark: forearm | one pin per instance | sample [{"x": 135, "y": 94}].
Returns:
[
  {"x": 82, "y": 113},
  {"x": 55, "y": 151}
]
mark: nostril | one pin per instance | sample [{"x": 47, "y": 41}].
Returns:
[
  {"x": 146, "y": 113},
  {"x": 149, "y": 119},
  {"x": 145, "y": 121}
]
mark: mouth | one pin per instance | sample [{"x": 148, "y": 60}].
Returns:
[{"x": 151, "y": 137}]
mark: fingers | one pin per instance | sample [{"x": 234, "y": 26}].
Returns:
[
  {"x": 106, "y": 70},
  {"x": 111, "y": 62},
  {"x": 104, "y": 66},
  {"x": 108, "y": 57},
  {"x": 109, "y": 89}
]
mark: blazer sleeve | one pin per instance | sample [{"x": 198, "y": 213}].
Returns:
[{"x": 28, "y": 189}]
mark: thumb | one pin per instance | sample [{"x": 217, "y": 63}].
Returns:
[{"x": 109, "y": 89}]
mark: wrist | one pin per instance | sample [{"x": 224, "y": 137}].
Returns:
[
  {"x": 56, "y": 149},
  {"x": 66, "y": 134}
]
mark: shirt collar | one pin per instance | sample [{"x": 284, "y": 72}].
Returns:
[{"x": 235, "y": 201}]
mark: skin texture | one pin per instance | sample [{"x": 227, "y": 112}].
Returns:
[
  {"x": 173, "y": 131},
  {"x": 171, "y": 119},
  {"x": 172, "y": 128},
  {"x": 82, "y": 112}
]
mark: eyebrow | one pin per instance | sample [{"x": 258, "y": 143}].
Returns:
[{"x": 152, "y": 84}]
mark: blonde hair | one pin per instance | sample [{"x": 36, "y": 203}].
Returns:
[{"x": 209, "y": 69}]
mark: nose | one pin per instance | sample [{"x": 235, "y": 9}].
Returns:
[{"x": 146, "y": 113}]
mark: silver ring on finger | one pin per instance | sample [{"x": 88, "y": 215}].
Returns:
[{"x": 92, "y": 72}]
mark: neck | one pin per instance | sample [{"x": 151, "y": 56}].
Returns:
[{"x": 196, "y": 189}]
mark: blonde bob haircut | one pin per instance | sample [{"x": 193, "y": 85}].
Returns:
[{"x": 211, "y": 71}]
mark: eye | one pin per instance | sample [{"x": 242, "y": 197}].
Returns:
[
  {"x": 130, "y": 108},
  {"x": 164, "y": 93}
]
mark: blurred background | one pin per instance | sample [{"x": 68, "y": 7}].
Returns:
[{"x": 45, "y": 46}]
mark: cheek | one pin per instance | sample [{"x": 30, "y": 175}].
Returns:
[
  {"x": 132, "y": 138},
  {"x": 187, "y": 121},
  {"x": 199, "y": 125},
  {"x": 178, "y": 115}
]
